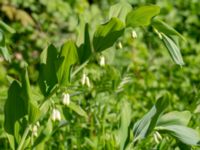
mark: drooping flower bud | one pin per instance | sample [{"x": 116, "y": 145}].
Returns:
[
  {"x": 66, "y": 99},
  {"x": 88, "y": 82},
  {"x": 134, "y": 34},
  {"x": 119, "y": 45},
  {"x": 102, "y": 61},
  {"x": 83, "y": 80},
  {"x": 56, "y": 116},
  {"x": 35, "y": 130}
]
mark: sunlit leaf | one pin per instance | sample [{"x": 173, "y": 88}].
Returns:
[
  {"x": 145, "y": 126},
  {"x": 184, "y": 134},
  {"x": 6, "y": 27},
  {"x": 125, "y": 122},
  {"x": 173, "y": 49},
  {"x": 69, "y": 57},
  {"x": 77, "y": 109},
  {"x": 120, "y": 10},
  {"x": 165, "y": 28},
  {"x": 142, "y": 16},
  {"x": 175, "y": 118},
  {"x": 3, "y": 49}
]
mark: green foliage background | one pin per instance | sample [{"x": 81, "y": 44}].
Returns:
[{"x": 142, "y": 69}]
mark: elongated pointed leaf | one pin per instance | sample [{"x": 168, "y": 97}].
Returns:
[
  {"x": 14, "y": 108},
  {"x": 31, "y": 106},
  {"x": 165, "y": 28},
  {"x": 142, "y": 16},
  {"x": 173, "y": 49},
  {"x": 69, "y": 57},
  {"x": 125, "y": 122},
  {"x": 120, "y": 10},
  {"x": 184, "y": 134},
  {"x": 47, "y": 74},
  {"x": 85, "y": 49},
  {"x": 145, "y": 126},
  {"x": 107, "y": 34},
  {"x": 6, "y": 27},
  {"x": 77, "y": 109},
  {"x": 3, "y": 49},
  {"x": 175, "y": 118}
]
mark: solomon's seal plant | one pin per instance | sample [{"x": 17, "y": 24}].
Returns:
[{"x": 59, "y": 67}]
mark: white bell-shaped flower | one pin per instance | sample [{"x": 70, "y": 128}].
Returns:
[
  {"x": 35, "y": 130},
  {"x": 134, "y": 34},
  {"x": 102, "y": 61},
  {"x": 83, "y": 80},
  {"x": 56, "y": 116},
  {"x": 66, "y": 99},
  {"x": 119, "y": 45},
  {"x": 88, "y": 82}
]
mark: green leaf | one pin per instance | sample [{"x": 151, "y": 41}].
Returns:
[
  {"x": 14, "y": 108},
  {"x": 125, "y": 122},
  {"x": 120, "y": 10},
  {"x": 31, "y": 106},
  {"x": 85, "y": 49},
  {"x": 3, "y": 48},
  {"x": 77, "y": 109},
  {"x": 142, "y": 16},
  {"x": 145, "y": 126},
  {"x": 6, "y": 27},
  {"x": 165, "y": 28},
  {"x": 173, "y": 49},
  {"x": 47, "y": 75},
  {"x": 107, "y": 34},
  {"x": 184, "y": 134},
  {"x": 175, "y": 118},
  {"x": 69, "y": 57},
  {"x": 11, "y": 140}
]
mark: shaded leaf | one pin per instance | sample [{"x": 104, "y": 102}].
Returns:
[
  {"x": 142, "y": 16},
  {"x": 14, "y": 107},
  {"x": 106, "y": 34},
  {"x": 85, "y": 49},
  {"x": 47, "y": 74}
]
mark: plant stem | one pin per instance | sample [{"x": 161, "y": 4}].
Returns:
[
  {"x": 79, "y": 68},
  {"x": 23, "y": 139}
]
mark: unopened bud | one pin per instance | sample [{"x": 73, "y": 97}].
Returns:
[
  {"x": 133, "y": 34},
  {"x": 119, "y": 45},
  {"x": 156, "y": 139},
  {"x": 66, "y": 99},
  {"x": 88, "y": 82},
  {"x": 35, "y": 130},
  {"x": 83, "y": 80},
  {"x": 102, "y": 61},
  {"x": 56, "y": 116}
]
